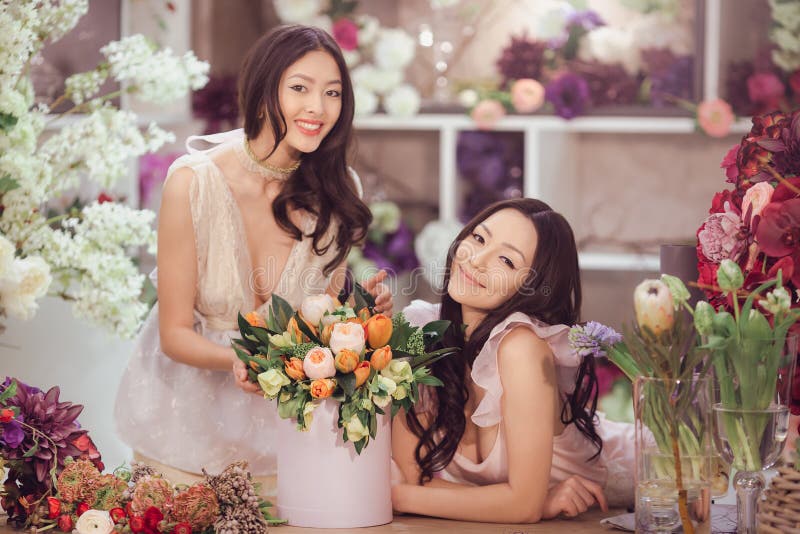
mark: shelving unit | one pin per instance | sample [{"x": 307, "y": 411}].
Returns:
[{"x": 547, "y": 140}]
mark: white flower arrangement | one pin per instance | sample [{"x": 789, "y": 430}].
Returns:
[
  {"x": 84, "y": 255},
  {"x": 786, "y": 34},
  {"x": 378, "y": 61}
]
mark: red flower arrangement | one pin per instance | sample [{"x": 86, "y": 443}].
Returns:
[{"x": 757, "y": 222}]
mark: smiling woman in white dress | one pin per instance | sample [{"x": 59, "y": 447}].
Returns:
[{"x": 272, "y": 209}]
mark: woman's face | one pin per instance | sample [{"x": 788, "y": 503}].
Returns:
[
  {"x": 310, "y": 96},
  {"x": 492, "y": 263}
]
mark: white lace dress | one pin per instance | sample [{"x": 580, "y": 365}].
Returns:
[{"x": 190, "y": 418}]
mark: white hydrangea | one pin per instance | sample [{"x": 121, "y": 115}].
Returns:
[
  {"x": 81, "y": 87},
  {"x": 376, "y": 80},
  {"x": 366, "y": 102},
  {"x": 154, "y": 76},
  {"x": 403, "y": 101},
  {"x": 610, "y": 45},
  {"x": 394, "y": 49},
  {"x": 294, "y": 11}
]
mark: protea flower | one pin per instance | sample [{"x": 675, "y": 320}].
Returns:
[
  {"x": 197, "y": 506},
  {"x": 56, "y": 430}
]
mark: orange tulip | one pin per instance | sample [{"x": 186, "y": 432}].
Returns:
[
  {"x": 294, "y": 369},
  {"x": 346, "y": 361},
  {"x": 325, "y": 336},
  {"x": 364, "y": 315},
  {"x": 255, "y": 319},
  {"x": 362, "y": 373},
  {"x": 378, "y": 330},
  {"x": 381, "y": 358},
  {"x": 322, "y": 388},
  {"x": 295, "y": 330}
]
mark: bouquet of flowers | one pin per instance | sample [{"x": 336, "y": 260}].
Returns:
[
  {"x": 361, "y": 359},
  {"x": 55, "y": 480},
  {"x": 662, "y": 353}
]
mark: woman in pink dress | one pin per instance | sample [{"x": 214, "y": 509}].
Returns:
[
  {"x": 272, "y": 209},
  {"x": 512, "y": 436}
]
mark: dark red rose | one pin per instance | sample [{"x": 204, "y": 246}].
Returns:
[
  {"x": 65, "y": 523},
  {"x": 136, "y": 522},
  {"x": 53, "y": 507},
  {"x": 152, "y": 517},
  {"x": 117, "y": 514},
  {"x": 719, "y": 200}
]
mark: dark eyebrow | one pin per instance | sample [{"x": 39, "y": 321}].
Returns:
[
  {"x": 509, "y": 245},
  {"x": 311, "y": 80}
]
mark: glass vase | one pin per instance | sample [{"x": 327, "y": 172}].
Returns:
[
  {"x": 751, "y": 415},
  {"x": 674, "y": 457}
]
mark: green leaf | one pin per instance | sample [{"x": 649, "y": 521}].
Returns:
[
  {"x": 244, "y": 356},
  {"x": 430, "y": 380},
  {"x": 373, "y": 425},
  {"x": 395, "y": 409},
  {"x": 7, "y": 121},
  {"x": 30, "y": 452},
  {"x": 288, "y": 409},
  {"x": 281, "y": 311},
  {"x": 362, "y": 298},
  {"x": 9, "y": 392},
  {"x": 435, "y": 329},
  {"x": 347, "y": 381},
  {"x": 360, "y": 444},
  {"x": 7, "y": 183},
  {"x": 301, "y": 324}
]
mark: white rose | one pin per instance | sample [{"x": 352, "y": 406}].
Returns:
[
  {"x": 611, "y": 46},
  {"x": 347, "y": 336},
  {"x": 403, "y": 101},
  {"x": 26, "y": 281},
  {"x": 297, "y": 10},
  {"x": 94, "y": 522},
  {"x": 314, "y": 307},
  {"x": 366, "y": 101},
  {"x": 394, "y": 49},
  {"x": 7, "y": 251},
  {"x": 318, "y": 363},
  {"x": 355, "y": 430},
  {"x": 381, "y": 401}
]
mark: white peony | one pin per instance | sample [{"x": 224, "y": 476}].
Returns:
[
  {"x": 431, "y": 246},
  {"x": 611, "y": 46},
  {"x": 402, "y": 101},
  {"x": 347, "y": 336},
  {"x": 366, "y": 102},
  {"x": 314, "y": 307},
  {"x": 394, "y": 49},
  {"x": 297, "y": 11},
  {"x": 94, "y": 522},
  {"x": 318, "y": 363}
]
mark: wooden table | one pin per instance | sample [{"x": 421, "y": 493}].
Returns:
[{"x": 588, "y": 522}]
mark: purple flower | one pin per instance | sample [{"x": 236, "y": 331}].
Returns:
[
  {"x": 593, "y": 338},
  {"x": 569, "y": 94},
  {"x": 11, "y": 433},
  {"x": 586, "y": 20}
]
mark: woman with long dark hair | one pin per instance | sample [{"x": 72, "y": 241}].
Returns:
[
  {"x": 512, "y": 435},
  {"x": 272, "y": 209}
]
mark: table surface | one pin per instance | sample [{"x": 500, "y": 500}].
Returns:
[{"x": 588, "y": 522}]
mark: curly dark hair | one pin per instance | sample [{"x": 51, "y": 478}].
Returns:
[{"x": 551, "y": 293}]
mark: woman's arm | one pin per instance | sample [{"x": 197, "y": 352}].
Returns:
[
  {"x": 373, "y": 285},
  {"x": 177, "y": 281},
  {"x": 527, "y": 371}
]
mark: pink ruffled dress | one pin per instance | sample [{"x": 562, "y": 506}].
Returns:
[{"x": 612, "y": 469}]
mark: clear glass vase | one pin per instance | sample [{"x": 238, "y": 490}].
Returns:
[
  {"x": 751, "y": 415},
  {"x": 674, "y": 457}
]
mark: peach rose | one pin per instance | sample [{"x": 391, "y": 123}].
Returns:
[
  {"x": 346, "y": 361},
  {"x": 322, "y": 388},
  {"x": 487, "y": 113},
  {"x": 757, "y": 196},
  {"x": 294, "y": 369},
  {"x": 347, "y": 336},
  {"x": 381, "y": 358},
  {"x": 318, "y": 363},
  {"x": 254, "y": 319},
  {"x": 715, "y": 117},
  {"x": 378, "y": 330},
  {"x": 527, "y": 95},
  {"x": 362, "y": 373}
]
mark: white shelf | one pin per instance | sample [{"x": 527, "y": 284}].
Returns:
[{"x": 613, "y": 261}]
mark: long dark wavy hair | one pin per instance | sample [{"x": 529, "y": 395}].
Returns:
[
  {"x": 551, "y": 293},
  {"x": 322, "y": 183}
]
